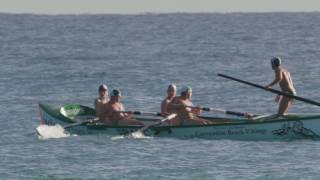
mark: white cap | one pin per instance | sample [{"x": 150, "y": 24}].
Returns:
[
  {"x": 115, "y": 92},
  {"x": 172, "y": 86},
  {"x": 276, "y": 61},
  {"x": 186, "y": 89},
  {"x": 103, "y": 87}
]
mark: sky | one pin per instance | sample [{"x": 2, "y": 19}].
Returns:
[{"x": 154, "y": 6}]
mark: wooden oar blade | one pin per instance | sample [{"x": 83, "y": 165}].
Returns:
[
  {"x": 171, "y": 116},
  {"x": 140, "y": 132}
]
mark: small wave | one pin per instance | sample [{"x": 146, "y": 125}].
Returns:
[
  {"x": 49, "y": 132},
  {"x": 134, "y": 135}
]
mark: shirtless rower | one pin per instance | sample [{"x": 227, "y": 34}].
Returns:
[
  {"x": 283, "y": 78},
  {"x": 115, "y": 111},
  {"x": 171, "y": 93},
  {"x": 183, "y": 107},
  {"x": 101, "y": 102}
]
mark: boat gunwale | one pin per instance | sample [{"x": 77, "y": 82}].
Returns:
[{"x": 103, "y": 126}]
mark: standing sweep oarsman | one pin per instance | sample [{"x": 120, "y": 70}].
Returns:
[{"x": 283, "y": 78}]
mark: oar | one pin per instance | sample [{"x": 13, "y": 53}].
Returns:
[
  {"x": 81, "y": 123},
  {"x": 140, "y": 132},
  {"x": 225, "y": 111},
  {"x": 143, "y": 113},
  {"x": 272, "y": 90},
  {"x": 218, "y": 110}
]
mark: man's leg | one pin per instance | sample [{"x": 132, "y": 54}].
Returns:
[{"x": 284, "y": 105}]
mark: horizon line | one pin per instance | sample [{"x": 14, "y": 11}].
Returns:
[{"x": 156, "y": 13}]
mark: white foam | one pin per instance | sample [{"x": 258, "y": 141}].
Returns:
[
  {"x": 48, "y": 132},
  {"x": 137, "y": 135},
  {"x": 117, "y": 137},
  {"x": 134, "y": 135}
]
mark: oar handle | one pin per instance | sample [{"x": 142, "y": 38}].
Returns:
[
  {"x": 143, "y": 113},
  {"x": 219, "y": 110},
  {"x": 236, "y": 113},
  {"x": 213, "y": 109},
  {"x": 224, "y": 111},
  {"x": 147, "y": 113}
]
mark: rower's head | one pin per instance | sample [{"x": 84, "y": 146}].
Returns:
[
  {"x": 115, "y": 94},
  {"x": 172, "y": 90},
  {"x": 275, "y": 62},
  {"x": 186, "y": 92},
  {"x": 103, "y": 90}
]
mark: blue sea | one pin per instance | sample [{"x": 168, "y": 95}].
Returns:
[{"x": 60, "y": 59}]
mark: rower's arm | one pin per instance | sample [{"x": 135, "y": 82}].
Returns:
[
  {"x": 122, "y": 109},
  {"x": 196, "y": 110},
  {"x": 175, "y": 106},
  {"x": 95, "y": 103},
  {"x": 164, "y": 107},
  {"x": 109, "y": 113},
  {"x": 277, "y": 79}
]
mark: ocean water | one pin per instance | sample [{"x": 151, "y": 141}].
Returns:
[{"x": 64, "y": 58}]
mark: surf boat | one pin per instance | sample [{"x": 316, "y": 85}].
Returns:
[{"x": 260, "y": 128}]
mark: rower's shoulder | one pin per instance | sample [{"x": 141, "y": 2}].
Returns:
[
  {"x": 97, "y": 101},
  {"x": 176, "y": 100},
  {"x": 118, "y": 106},
  {"x": 101, "y": 101},
  {"x": 165, "y": 100},
  {"x": 282, "y": 69}
]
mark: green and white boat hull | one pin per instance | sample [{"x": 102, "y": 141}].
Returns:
[{"x": 264, "y": 128}]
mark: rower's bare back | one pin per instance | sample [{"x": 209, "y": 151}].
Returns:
[
  {"x": 286, "y": 83},
  {"x": 101, "y": 109},
  {"x": 117, "y": 115},
  {"x": 185, "y": 112}
]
